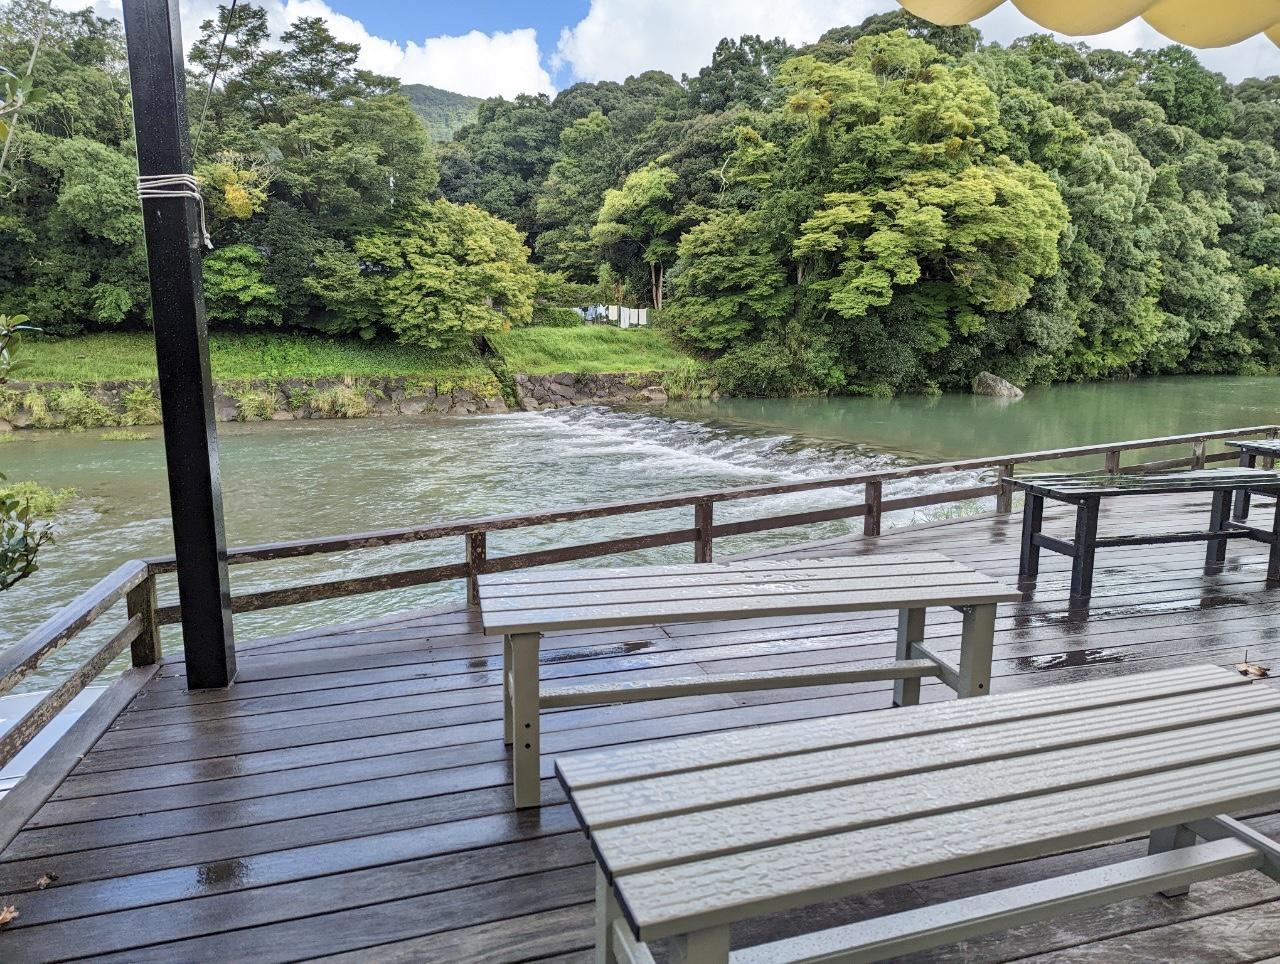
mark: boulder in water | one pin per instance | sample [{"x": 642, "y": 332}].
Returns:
[{"x": 995, "y": 386}]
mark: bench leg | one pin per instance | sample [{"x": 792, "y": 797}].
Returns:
[
  {"x": 1273, "y": 557},
  {"x": 1032, "y": 523},
  {"x": 506, "y": 690},
  {"x": 977, "y": 639},
  {"x": 607, "y": 911},
  {"x": 1215, "y": 553},
  {"x": 524, "y": 719},
  {"x": 710, "y": 946},
  {"x": 1086, "y": 537},
  {"x": 1171, "y": 838},
  {"x": 1247, "y": 461},
  {"x": 906, "y": 692}
]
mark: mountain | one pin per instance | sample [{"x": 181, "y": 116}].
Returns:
[{"x": 442, "y": 111}]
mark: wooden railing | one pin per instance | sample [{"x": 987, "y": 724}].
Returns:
[
  {"x": 135, "y": 582},
  {"x": 703, "y": 532}
]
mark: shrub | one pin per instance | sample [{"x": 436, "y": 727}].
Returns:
[
  {"x": 141, "y": 406},
  {"x": 124, "y": 435},
  {"x": 253, "y": 405},
  {"x": 550, "y": 317},
  {"x": 38, "y": 406},
  {"x": 341, "y": 401},
  {"x": 42, "y": 501},
  {"x": 81, "y": 411},
  {"x": 782, "y": 363},
  {"x": 692, "y": 379}
]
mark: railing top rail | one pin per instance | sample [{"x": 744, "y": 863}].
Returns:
[
  {"x": 19, "y": 659},
  {"x": 495, "y": 523}
]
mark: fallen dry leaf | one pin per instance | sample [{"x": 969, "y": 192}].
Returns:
[
  {"x": 47, "y": 878},
  {"x": 7, "y": 915},
  {"x": 1254, "y": 670}
]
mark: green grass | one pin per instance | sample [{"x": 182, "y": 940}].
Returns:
[
  {"x": 588, "y": 349},
  {"x": 129, "y": 357},
  {"x": 43, "y": 501},
  {"x": 125, "y": 435}
]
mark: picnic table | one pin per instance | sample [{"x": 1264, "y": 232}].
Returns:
[
  {"x": 523, "y": 606},
  {"x": 694, "y": 834},
  {"x": 1087, "y": 490},
  {"x": 1250, "y": 451}
]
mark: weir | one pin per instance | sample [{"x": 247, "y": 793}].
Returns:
[{"x": 350, "y": 793}]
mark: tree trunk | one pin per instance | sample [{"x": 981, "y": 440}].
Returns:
[{"x": 655, "y": 285}]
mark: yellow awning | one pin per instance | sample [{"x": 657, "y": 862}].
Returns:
[{"x": 1196, "y": 23}]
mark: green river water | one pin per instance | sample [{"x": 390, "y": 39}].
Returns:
[{"x": 297, "y": 480}]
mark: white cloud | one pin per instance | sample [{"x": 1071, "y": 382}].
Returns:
[
  {"x": 503, "y": 63},
  {"x": 621, "y": 37}
]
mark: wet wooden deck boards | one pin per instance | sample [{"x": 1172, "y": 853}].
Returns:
[{"x": 350, "y": 795}]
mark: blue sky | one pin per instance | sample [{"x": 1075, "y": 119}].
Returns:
[{"x": 504, "y": 47}]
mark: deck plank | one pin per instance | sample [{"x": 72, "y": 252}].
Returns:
[{"x": 349, "y": 796}]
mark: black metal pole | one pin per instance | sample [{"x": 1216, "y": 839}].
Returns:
[{"x": 157, "y": 78}]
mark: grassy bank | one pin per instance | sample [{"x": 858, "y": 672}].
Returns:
[
  {"x": 588, "y": 350},
  {"x": 131, "y": 356}
]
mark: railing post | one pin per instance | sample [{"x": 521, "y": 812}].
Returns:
[
  {"x": 476, "y": 554},
  {"x": 1004, "y": 498},
  {"x": 1197, "y": 454},
  {"x": 1272, "y": 433},
  {"x": 1112, "y": 466},
  {"x": 141, "y": 601},
  {"x": 871, "y": 521},
  {"x": 703, "y": 522}
]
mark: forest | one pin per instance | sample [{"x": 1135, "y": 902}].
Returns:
[{"x": 891, "y": 209}]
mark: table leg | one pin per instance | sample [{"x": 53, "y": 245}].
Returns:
[
  {"x": 710, "y": 946},
  {"x": 1085, "y": 541},
  {"x": 506, "y": 690},
  {"x": 1032, "y": 523},
  {"x": 607, "y": 911},
  {"x": 977, "y": 639},
  {"x": 1273, "y": 557},
  {"x": 1247, "y": 461},
  {"x": 1164, "y": 839},
  {"x": 906, "y": 692},
  {"x": 1216, "y": 552},
  {"x": 524, "y": 719}
]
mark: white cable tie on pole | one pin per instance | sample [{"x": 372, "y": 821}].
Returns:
[{"x": 175, "y": 185}]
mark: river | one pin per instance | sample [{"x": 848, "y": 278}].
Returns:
[{"x": 304, "y": 479}]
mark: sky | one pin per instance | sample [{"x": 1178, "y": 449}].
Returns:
[{"x": 507, "y": 47}]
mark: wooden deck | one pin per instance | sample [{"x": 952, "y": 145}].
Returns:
[{"x": 350, "y": 795}]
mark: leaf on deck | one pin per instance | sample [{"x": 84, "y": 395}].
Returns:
[
  {"x": 1253, "y": 670},
  {"x": 7, "y": 915},
  {"x": 47, "y": 878}
]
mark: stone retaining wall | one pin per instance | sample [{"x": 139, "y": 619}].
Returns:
[
  {"x": 58, "y": 405},
  {"x": 123, "y": 403},
  {"x": 535, "y": 392}
]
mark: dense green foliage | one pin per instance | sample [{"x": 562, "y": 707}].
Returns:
[
  {"x": 442, "y": 111},
  {"x": 891, "y": 209},
  {"x": 899, "y": 206}
]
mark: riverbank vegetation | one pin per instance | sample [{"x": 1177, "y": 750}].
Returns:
[
  {"x": 891, "y": 209},
  {"x": 587, "y": 350}
]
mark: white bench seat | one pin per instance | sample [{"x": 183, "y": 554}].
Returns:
[
  {"x": 523, "y": 606},
  {"x": 692, "y": 835}
]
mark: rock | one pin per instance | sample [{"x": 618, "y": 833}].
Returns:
[
  {"x": 654, "y": 394},
  {"x": 5, "y": 426},
  {"x": 416, "y": 406},
  {"x": 283, "y": 415},
  {"x": 564, "y": 378},
  {"x": 995, "y": 386}
]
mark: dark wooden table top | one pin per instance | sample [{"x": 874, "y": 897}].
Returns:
[
  {"x": 1072, "y": 486},
  {"x": 1258, "y": 446}
]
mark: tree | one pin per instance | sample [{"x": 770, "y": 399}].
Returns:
[
  {"x": 448, "y": 272},
  {"x": 640, "y": 219},
  {"x": 235, "y": 291}
]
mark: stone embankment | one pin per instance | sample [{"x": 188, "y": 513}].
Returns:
[
  {"x": 536, "y": 392},
  {"x": 126, "y": 403}
]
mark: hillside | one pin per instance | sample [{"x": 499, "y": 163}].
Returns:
[{"x": 442, "y": 111}]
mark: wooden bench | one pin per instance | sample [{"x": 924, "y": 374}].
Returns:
[
  {"x": 1087, "y": 490},
  {"x": 523, "y": 606},
  {"x": 694, "y": 834},
  {"x": 1250, "y": 451}
]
